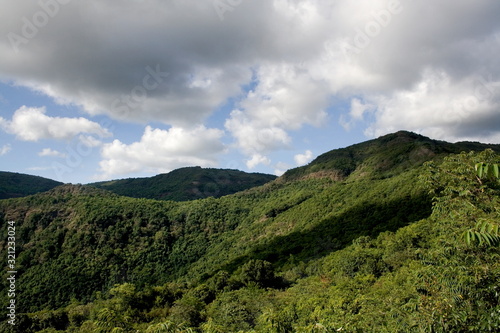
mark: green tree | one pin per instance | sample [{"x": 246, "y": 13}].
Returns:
[
  {"x": 257, "y": 271},
  {"x": 466, "y": 191}
]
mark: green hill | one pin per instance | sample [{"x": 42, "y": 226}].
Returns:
[
  {"x": 363, "y": 249},
  {"x": 382, "y": 157},
  {"x": 14, "y": 185},
  {"x": 186, "y": 184}
]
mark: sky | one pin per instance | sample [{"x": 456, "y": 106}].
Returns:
[{"x": 106, "y": 89}]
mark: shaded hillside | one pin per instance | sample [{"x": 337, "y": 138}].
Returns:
[
  {"x": 15, "y": 185},
  {"x": 95, "y": 239},
  {"x": 187, "y": 184},
  {"x": 310, "y": 253},
  {"x": 382, "y": 157}
]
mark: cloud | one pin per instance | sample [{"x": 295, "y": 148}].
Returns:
[
  {"x": 285, "y": 99},
  {"x": 302, "y": 159},
  {"x": 442, "y": 108},
  {"x": 256, "y": 160},
  {"x": 357, "y": 113},
  {"x": 31, "y": 124},
  {"x": 5, "y": 149},
  {"x": 36, "y": 168},
  {"x": 177, "y": 66},
  {"x": 282, "y": 61},
  {"x": 280, "y": 168},
  {"x": 52, "y": 153},
  {"x": 162, "y": 151},
  {"x": 89, "y": 141}
]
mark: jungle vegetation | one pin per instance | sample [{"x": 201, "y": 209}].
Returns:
[
  {"x": 398, "y": 234},
  {"x": 15, "y": 185},
  {"x": 185, "y": 184}
]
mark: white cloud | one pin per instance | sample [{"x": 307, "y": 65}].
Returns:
[
  {"x": 252, "y": 138},
  {"x": 302, "y": 159},
  {"x": 257, "y": 159},
  {"x": 162, "y": 151},
  {"x": 357, "y": 113},
  {"x": 52, "y": 153},
  {"x": 442, "y": 108},
  {"x": 285, "y": 99},
  {"x": 39, "y": 168},
  {"x": 5, "y": 149},
  {"x": 89, "y": 141},
  {"x": 182, "y": 63},
  {"x": 279, "y": 172},
  {"x": 280, "y": 168},
  {"x": 31, "y": 124}
]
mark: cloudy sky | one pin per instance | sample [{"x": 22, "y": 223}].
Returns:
[{"x": 100, "y": 89}]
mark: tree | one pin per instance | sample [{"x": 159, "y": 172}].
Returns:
[
  {"x": 486, "y": 230},
  {"x": 168, "y": 327},
  {"x": 466, "y": 190},
  {"x": 259, "y": 272}
]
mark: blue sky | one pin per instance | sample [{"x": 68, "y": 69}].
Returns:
[{"x": 100, "y": 90}]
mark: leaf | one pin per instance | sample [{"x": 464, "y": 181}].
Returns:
[
  {"x": 487, "y": 170},
  {"x": 467, "y": 236},
  {"x": 485, "y": 232},
  {"x": 495, "y": 171},
  {"x": 479, "y": 169}
]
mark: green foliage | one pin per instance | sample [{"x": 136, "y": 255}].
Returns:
[
  {"x": 485, "y": 232},
  {"x": 187, "y": 184},
  {"x": 238, "y": 310},
  {"x": 467, "y": 190},
  {"x": 14, "y": 185},
  {"x": 485, "y": 170},
  {"x": 258, "y": 272},
  {"x": 168, "y": 327},
  {"x": 370, "y": 251},
  {"x": 384, "y": 157}
]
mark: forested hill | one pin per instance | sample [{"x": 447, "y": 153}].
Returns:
[
  {"x": 187, "y": 184},
  {"x": 14, "y": 185},
  {"x": 385, "y": 156},
  {"x": 363, "y": 239}
]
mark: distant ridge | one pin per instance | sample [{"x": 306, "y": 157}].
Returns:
[
  {"x": 188, "y": 183},
  {"x": 15, "y": 185},
  {"x": 382, "y": 157}
]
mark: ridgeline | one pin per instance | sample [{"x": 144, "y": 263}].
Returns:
[{"x": 368, "y": 238}]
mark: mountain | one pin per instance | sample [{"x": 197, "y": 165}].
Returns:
[
  {"x": 382, "y": 157},
  {"x": 187, "y": 184},
  {"x": 368, "y": 238},
  {"x": 14, "y": 185}
]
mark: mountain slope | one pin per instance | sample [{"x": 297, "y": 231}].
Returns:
[
  {"x": 95, "y": 239},
  {"x": 14, "y": 185},
  {"x": 382, "y": 157},
  {"x": 295, "y": 253},
  {"x": 186, "y": 184}
]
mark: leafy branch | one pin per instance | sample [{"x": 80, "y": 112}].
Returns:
[{"x": 485, "y": 231}]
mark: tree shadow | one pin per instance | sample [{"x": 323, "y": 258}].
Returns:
[{"x": 336, "y": 232}]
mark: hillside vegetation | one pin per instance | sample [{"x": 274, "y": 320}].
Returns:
[
  {"x": 187, "y": 184},
  {"x": 392, "y": 235},
  {"x": 15, "y": 185}
]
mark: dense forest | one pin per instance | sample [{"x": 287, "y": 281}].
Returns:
[
  {"x": 188, "y": 183},
  {"x": 15, "y": 185},
  {"x": 397, "y": 234}
]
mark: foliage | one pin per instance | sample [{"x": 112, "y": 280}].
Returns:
[
  {"x": 383, "y": 157},
  {"x": 186, "y": 184},
  {"x": 257, "y": 272},
  {"x": 378, "y": 253},
  {"x": 14, "y": 185},
  {"x": 466, "y": 188}
]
